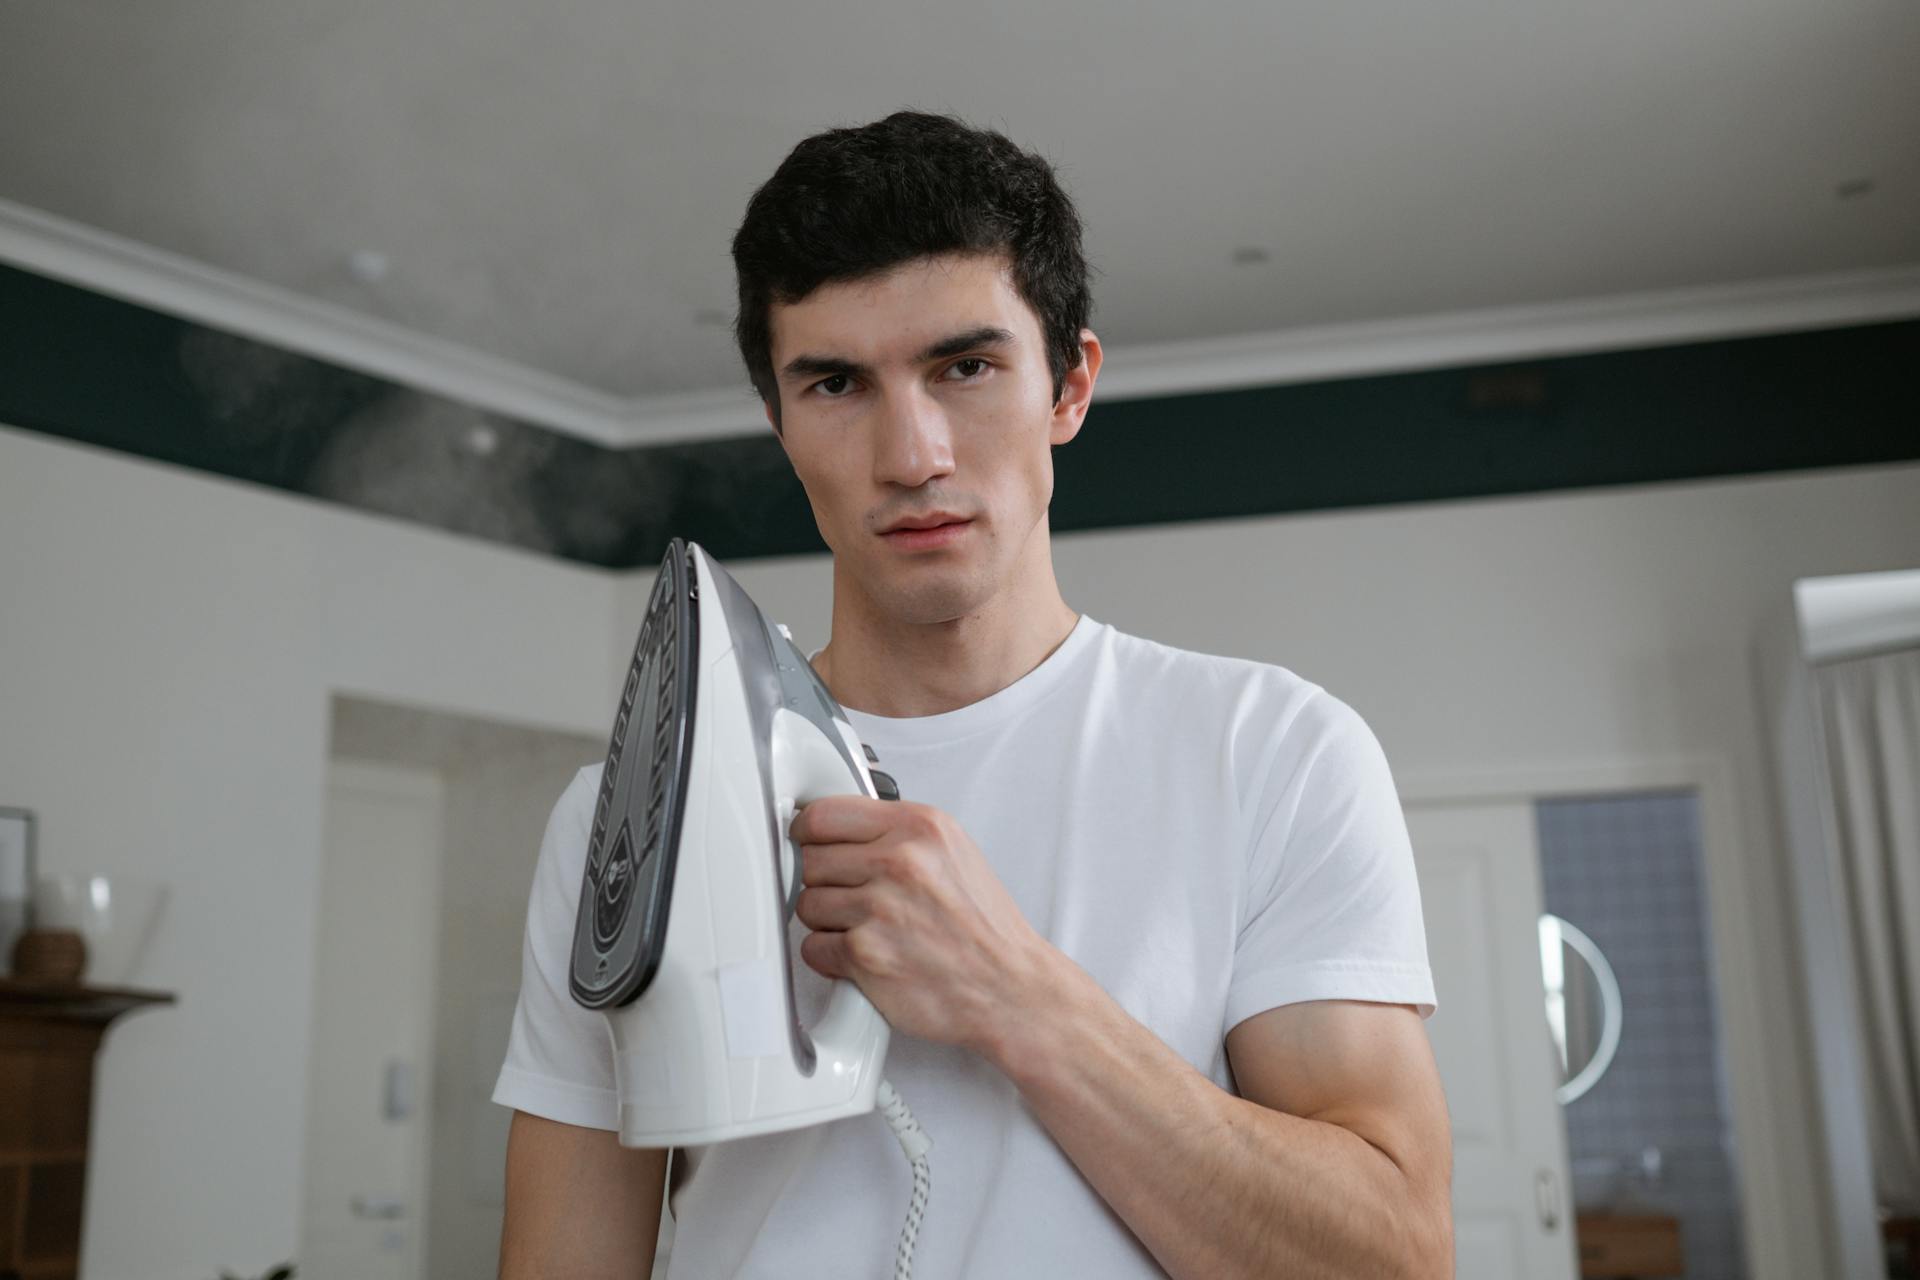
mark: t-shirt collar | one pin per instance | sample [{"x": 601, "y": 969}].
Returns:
[{"x": 909, "y": 732}]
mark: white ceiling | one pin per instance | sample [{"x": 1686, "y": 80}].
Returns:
[{"x": 555, "y": 186}]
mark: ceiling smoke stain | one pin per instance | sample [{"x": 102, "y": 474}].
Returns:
[
  {"x": 255, "y": 396},
  {"x": 608, "y": 507},
  {"x": 408, "y": 455}
]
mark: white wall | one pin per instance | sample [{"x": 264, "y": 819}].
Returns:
[
  {"x": 168, "y": 642},
  {"x": 1526, "y": 635}
]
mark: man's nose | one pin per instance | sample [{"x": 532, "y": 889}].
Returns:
[{"x": 915, "y": 442}]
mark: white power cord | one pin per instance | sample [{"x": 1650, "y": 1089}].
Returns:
[{"x": 915, "y": 1142}]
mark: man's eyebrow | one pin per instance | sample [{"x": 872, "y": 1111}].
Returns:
[
  {"x": 985, "y": 335},
  {"x": 813, "y": 366},
  {"x": 822, "y": 367}
]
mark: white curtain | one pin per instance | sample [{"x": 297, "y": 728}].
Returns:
[{"x": 1870, "y": 707}]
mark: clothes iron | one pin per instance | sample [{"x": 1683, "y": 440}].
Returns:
[{"x": 680, "y": 940}]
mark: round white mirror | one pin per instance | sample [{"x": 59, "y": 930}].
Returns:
[{"x": 1583, "y": 1005}]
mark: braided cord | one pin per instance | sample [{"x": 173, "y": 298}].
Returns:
[{"x": 915, "y": 1143}]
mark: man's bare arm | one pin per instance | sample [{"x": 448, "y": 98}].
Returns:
[
  {"x": 1335, "y": 1164},
  {"x": 579, "y": 1205}
]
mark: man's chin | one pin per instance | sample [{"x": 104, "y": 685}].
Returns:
[{"x": 927, "y": 603}]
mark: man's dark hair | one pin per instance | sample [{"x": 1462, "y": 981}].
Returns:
[{"x": 851, "y": 203}]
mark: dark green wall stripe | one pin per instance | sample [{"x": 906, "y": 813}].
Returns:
[
  {"x": 108, "y": 373},
  {"x": 1828, "y": 398}
]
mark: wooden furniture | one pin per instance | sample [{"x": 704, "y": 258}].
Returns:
[
  {"x": 49, "y": 1033},
  {"x": 1627, "y": 1246}
]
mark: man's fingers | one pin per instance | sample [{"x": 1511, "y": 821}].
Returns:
[
  {"x": 844, "y": 820},
  {"x": 826, "y": 954},
  {"x": 830, "y": 908},
  {"x": 844, "y": 866}
]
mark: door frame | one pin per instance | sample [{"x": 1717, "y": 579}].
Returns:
[{"x": 1766, "y": 1210}]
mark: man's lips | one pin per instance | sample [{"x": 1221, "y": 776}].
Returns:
[
  {"x": 932, "y": 520},
  {"x": 910, "y": 539}
]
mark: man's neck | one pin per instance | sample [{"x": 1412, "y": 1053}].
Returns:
[{"x": 903, "y": 670}]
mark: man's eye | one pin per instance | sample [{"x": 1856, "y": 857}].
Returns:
[
  {"x": 971, "y": 367},
  {"x": 831, "y": 387}
]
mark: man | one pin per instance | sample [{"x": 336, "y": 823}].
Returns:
[{"x": 1144, "y": 922}]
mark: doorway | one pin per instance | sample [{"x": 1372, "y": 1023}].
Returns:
[
  {"x": 434, "y": 823},
  {"x": 1651, "y": 1142},
  {"x": 1618, "y": 1167}
]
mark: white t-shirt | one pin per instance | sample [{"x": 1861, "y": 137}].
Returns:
[{"x": 1207, "y": 837}]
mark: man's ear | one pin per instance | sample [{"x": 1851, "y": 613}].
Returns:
[{"x": 1076, "y": 392}]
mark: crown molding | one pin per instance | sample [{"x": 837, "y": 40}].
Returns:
[
  {"x": 192, "y": 290},
  {"x": 168, "y": 282},
  {"x": 696, "y": 415},
  {"x": 1500, "y": 334}
]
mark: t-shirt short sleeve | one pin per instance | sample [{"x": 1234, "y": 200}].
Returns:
[
  {"x": 559, "y": 1061},
  {"x": 1332, "y": 910}
]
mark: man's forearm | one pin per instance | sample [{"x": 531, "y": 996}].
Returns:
[{"x": 1213, "y": 1185}]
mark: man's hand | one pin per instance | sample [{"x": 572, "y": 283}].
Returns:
[{"x": 903, "y": 902}]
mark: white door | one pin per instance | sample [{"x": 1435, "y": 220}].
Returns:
[
  {"x": 369, "y": 1065},
  {"x": 1479, "y": 867}
]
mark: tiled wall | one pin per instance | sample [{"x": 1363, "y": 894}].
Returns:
[{"x": 1627, "y": 870}]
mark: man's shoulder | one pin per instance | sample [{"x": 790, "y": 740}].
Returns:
[
  {"x": 582, "y": 792},
  {"x": 1255, "y": 705},
  {"x": 1194, "y": 673}
]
